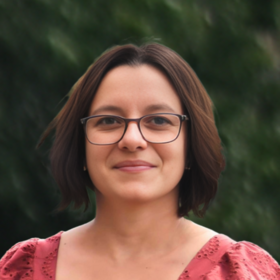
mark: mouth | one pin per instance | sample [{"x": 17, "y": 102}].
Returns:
[{"x": 134, "y": 166}]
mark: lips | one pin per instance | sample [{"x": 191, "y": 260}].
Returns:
[{"x": 134, "y": 165}]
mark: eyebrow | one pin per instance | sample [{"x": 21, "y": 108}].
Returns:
[
  {"x": 111, "y": 108},
  {"x": 160, "y": 107},
  {"x": 164, "y": 108}
]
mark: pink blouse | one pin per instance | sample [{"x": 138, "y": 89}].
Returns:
[{"x": 219, "y": 258}]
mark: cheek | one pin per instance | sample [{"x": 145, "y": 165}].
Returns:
[
  {"x": 173, "y": 156},
  {"x": 95, "y": 161}
]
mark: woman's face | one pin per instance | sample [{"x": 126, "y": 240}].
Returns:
[{"x": 134, "y": 169}]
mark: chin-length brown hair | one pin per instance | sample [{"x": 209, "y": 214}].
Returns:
[{"x": 198, "y": 185}]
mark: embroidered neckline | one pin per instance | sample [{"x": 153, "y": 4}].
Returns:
[{"x": 208, "y": 249}]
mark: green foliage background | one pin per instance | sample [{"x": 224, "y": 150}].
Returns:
[{"x": 232, "y": 45}]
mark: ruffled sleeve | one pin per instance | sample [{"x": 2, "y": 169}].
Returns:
[
  {"x": 244, "y": 260},
  {"x": 34, "y": 259},
  {"x": 18, "y": 262}
]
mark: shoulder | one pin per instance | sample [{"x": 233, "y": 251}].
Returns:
[
  {"x": 223, "y": 258},
  {"x": 244, "y": 260},
  {"x": 18, "y": 262},
  {"x": 19, "y": 259}
]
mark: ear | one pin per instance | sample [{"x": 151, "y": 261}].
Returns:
[
  {"x": 85, "y": 165},
  {"x": 189, "y": 154}
]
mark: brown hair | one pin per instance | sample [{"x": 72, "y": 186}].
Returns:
[{"x": 198, "y": 185}]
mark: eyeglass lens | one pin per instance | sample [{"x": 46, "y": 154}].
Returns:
[{"x": 108, "y": 129}]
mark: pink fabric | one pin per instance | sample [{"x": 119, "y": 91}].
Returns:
[{"x": 220, "y": 258}]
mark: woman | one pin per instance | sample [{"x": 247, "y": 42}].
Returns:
[{"x": 138, "y": 129}]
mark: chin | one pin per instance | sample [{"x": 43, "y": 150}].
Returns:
[
  {"x": 143, "y": 193},
  {"x": 136, "y": 192}
]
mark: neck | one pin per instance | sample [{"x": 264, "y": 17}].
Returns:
[{"x": 134, "y": 229}]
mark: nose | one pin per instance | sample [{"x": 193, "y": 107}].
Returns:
[{"x": 132, "y": 139}]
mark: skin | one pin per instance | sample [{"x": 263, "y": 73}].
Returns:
[
  {"x": 132, "y": 91},
  {"x": 128, "y": 238}
]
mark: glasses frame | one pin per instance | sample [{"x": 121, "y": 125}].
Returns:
[{"x": 182, "y": 118}]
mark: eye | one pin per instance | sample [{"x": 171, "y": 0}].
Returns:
[
  {"x": 107, "y": 121},
  {"x": 159, "y": 121}
]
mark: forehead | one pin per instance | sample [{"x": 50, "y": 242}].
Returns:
[{"x": 135, "y": 89}]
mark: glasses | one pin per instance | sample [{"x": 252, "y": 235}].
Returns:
[{"x": 154, "y": 128}]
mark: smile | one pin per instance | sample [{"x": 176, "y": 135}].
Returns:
[{"x": 134, "y": 166}]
